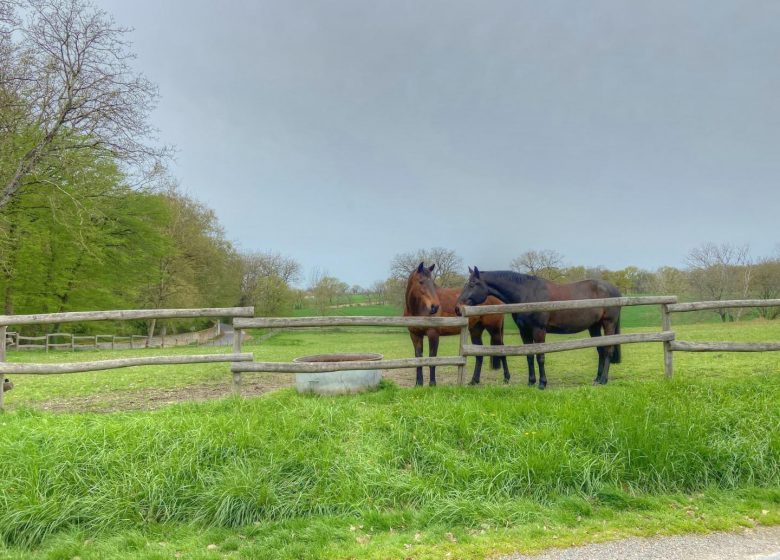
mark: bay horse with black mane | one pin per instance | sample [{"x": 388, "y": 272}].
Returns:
[
  {"x": 514, "y": 287},
  {"x": 424, "y": 298}
]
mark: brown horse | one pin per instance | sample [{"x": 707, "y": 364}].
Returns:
[
  {"x": 424, "y": 298},
  {"x": 513, "y": 287}
]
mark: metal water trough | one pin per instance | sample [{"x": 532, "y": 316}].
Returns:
[{"x": 338, "y": 382}]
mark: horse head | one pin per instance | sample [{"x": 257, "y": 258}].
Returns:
[
  {"x": 474, "y": 292},
  {"x": 421, "y": 296}
]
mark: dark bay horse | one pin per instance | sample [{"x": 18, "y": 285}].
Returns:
[
  {"x": 513, "y": 287},
  {"x": 424, "y": 298}
]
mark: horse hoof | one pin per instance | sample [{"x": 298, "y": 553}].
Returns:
[
  {"x": 506, "y": 381},
  {"x": 472, "y": 382},
  {"x": 432, "y": 384},
  {"x": 531, "y": 383},
  {"x": 541, "y": 387}
]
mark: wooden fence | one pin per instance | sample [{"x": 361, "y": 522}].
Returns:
[
  {"x": 666, "y": 335},
  {"x": 125, "y": 315},
  {"x": 686, "y": 346},
  {"x": 243, "y": 319},
  {"x": 73, "y": 342},
  {"x": 298, "y": 322}
]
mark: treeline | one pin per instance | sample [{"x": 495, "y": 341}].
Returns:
[
  {"x": 101, "y": 245},
  {"x": 712, "y": 272},
  {"x": 88, "y": 216}
]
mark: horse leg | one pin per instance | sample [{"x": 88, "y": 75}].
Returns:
[
  {"x": 528, "y": 339},
  {"x": 417, "y": 341},
  {"x": 609, "y": 329},
  {"x": 496, "y": 339},
  {"x": 476, "y": 339},
  {"x": 433, "y": 349},
  {"x": 595, "y": 330},
  {"x": 538, "y": 337}
]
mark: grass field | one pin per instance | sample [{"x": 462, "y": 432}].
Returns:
[{"x": 399, "y": 473}]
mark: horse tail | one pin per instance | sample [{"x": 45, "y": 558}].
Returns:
[{"x": 616, "y": 352}]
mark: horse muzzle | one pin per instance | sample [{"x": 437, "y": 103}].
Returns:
[{"x": 434, "y": 309}]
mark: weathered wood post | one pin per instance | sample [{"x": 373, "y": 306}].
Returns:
[
  {"x": 464, "y": 340},
  {"x": 2, "y": 359},
  {"x": 666, "y": 325},
  {"x": 236, "y": 350}
]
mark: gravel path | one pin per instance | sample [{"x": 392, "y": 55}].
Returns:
[{"x": 762, "y": 543}]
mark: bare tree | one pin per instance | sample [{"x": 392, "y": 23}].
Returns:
[
  {"x": 267, "y": 280},
  {"x": 326, "y": 290},
  {"x": 671, "y": 280},
  {"x": 448, "y": 265},
  {"x": 720, "y": 272},
  {"x": 379, "y": 289},
  {"x": 766, "y": 284},
  {"x": 70, "y": 75},
  {"x": 546, "y": 264}
]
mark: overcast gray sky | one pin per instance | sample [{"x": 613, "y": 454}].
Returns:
[{"x": 341, "y": 133}]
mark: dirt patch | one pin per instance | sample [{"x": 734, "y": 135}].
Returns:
[
  {"x": 252, "y": 385},
  {"x": 256, "y": 384}
]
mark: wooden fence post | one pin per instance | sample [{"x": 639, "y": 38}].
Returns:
[
  {"x": 666, "y": 325},
  {"x": 237, "y": 350},
  {"x": 2, "y": 359},
  {"x": 464, "y": 339}
]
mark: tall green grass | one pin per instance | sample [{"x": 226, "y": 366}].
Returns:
[{"x": 451, "y": 455}]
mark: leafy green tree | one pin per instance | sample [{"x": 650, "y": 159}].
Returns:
[
  {"x": 198, "y": 267},
  {"x": 68, "y": 86},
  {"x": 267, "y": 282}
]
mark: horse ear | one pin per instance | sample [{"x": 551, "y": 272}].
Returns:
[
  {"x": 476, "y": 272},
  {"x": 430, "y": 269},
  {"x": 421, "y": 267},
  {"x": 471, "y": 270}
]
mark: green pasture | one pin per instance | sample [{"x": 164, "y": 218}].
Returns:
[
  {"x": 400, "y": 472},
  {"x": 640, "y": 361}
]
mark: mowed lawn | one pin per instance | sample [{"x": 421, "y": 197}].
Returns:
[{"x": 445, "y": 472}]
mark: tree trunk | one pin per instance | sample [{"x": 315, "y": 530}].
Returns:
[{"x": 150, "y": 332}]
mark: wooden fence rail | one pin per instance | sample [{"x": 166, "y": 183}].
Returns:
[
  {"x": 100, "y": 365},
  {"x": 297, "y": 322},
  {"x": 302, "y": 367},
  {"x": 723, "y": 304},
  {"x": 535, "y": 307},
  {"x": 124, "y": 315},
  {"x": 546, "y": 347}
]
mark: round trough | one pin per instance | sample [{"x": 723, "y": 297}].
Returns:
[{"x": 339, "y": 382}]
